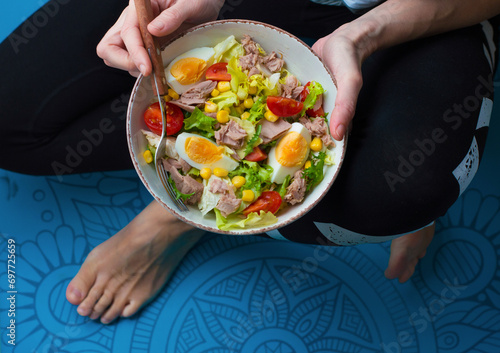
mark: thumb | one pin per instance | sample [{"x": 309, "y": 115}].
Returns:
[
  {"x": 348, "y": 87},
  {"x": 170, "y": 19}
]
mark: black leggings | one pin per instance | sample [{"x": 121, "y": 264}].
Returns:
[{"x": 423, "y": 109}]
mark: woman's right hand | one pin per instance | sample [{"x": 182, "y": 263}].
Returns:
[{"x": 122, "y": 46}]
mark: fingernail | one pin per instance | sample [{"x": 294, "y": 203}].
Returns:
[
  {"x": 142, "y": 69},
  {"x": 157, "y": 25},
  {"x": 340, "y": 131},
  {"x": 105, "y": 321}
]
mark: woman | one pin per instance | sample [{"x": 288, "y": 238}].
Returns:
[{"x": 423, "y": 109}]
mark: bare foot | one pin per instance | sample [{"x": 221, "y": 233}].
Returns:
[
  {"x": 125, "y": 272},
  {"x": 406, "y": 251}
]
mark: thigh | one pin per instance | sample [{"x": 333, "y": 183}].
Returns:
[
  {"x": 58, "y": 91},
  {"x": 416, "y": 140}
]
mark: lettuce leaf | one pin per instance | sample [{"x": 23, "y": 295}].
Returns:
[
  {"x": 265, "y": 85},
  {"x": 201, "y": 123},
  {"x": 314, "y": 174},
  {"x": 258, "y": 109},
  {"x": 257, "y": 176},
  {"x": 253, "y": 141},
  {"x": 253, "y": 220},
  {"x": 238, "y": 77},
  {"x": 315, "y": 89},
  {"x": 227, "y": 49},
  {"x": 226, "y": 99}
]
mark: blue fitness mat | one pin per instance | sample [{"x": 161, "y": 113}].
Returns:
[{"x": 238, "y": 294}]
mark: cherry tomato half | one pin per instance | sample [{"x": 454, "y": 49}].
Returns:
[
  {"x": 256, "y": 155},
  {"x": 175, "y": 118},
  {"x": 268, "y": 201},
  {"x": 310, "y": 112},
  {"x": 218, "y": 72},
  {"x": 284, "y": 107}
]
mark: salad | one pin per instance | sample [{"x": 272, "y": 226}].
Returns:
[{"x": 246, "y": 139}]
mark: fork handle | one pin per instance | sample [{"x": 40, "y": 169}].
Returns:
[{"x": 145, "y": 16}]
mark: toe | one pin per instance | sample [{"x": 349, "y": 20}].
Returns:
[
  {"x": 79, "y": 286},
  {"x": 87, "y": 306},
  {"x": 114, "y": 310},
  {"x": 102, "y": 304}
]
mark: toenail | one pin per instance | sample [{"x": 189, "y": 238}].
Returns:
[
  {"x": 76, "y": 294},
  {"x": 81, "y": 311}
]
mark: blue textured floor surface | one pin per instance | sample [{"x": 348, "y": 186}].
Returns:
[{"x": 238, "y": 294}]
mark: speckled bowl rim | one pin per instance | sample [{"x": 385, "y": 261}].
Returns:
[{"x": 181, "y": 216}]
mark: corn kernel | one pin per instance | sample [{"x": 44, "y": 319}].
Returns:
[
  {"x": 210, "y": 107},
  {"x": 247, "y": 195},
  {"x": 205, "y": 173},
  {"x": 316, "y": 144},
  {"x": 199, "y": 180},
  {"x": 148, "y": 156},
  {"x": 307, "y": 165},
  {"x": 220, "y": 172},
  {"x": 270, "y": 116},
  {"x": 245, "y": 115},
  {"x": 222, "y": 116},
  {"x": 248, "y": 103},
  {"x": 173, "y": 93},
  {"x": 239, "y": 110},
  {"x": 238, "y": 181},
  {"x": 167, "y": 98},
  {"x": 223, "y": 86},
  {"x": 227, "y": 109},
  {"x": 215, "y": 92}
]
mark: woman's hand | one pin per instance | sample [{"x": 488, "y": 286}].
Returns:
[
  {"x": 344, "y": 57},
  {"x": 122, "y": 46}
]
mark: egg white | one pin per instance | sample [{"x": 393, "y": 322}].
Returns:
[
  {"x": 280, "y": 171},
  {"x": 225, "y": 162},
  {"x": 204, "y": 53}
]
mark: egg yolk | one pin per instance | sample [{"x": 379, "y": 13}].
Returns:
[
  {"x": 291, "y": 150},
  {"x": 202, "y": 151},
  {"x": 188, "y": 70}
]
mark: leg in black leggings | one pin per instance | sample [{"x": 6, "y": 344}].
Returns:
[{"x": 62, "y": 109}]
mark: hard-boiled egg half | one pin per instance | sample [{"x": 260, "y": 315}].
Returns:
[
  {"x": 290, "y": 153},
  {"x": 189, "y": 68},
  {"x": 201, "y": 152}
]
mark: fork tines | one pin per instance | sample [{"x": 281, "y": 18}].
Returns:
[{"x": 162, "y": 174}]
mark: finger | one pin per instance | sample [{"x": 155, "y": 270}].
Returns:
[
  {"x": 131, "y": 35},
  {"x": 170, "y": 19},
  {"x": 348, "y": 88},
  {"x": 112, "y": 50}
]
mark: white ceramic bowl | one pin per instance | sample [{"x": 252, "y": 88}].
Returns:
[{"x": 300, "y": 60}]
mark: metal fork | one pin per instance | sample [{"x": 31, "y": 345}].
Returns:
[{"x": 160, "y": 153}]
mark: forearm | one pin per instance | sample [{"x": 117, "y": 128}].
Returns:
[{"x": 398, "y": 21}]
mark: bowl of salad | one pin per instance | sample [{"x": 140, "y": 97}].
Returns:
[{"x": 248, "y": 148}]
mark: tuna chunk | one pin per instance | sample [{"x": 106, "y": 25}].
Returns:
[
  {"x": 272, "y": 131},
  {"x": 272, "y": 62},
  {"x": 249, "y": 45},
  {"x": 197, "y": 94},
  {"x": 231, "y": 135},
  {"x": 291, "y": 88},
  {"x": 318, "y": 128},
  {"x": 248, "y": 62},
  {"x": 184, "y": 183},
  {"x": 228, "y": 203},
  {"x": 296, "y": 190}
]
